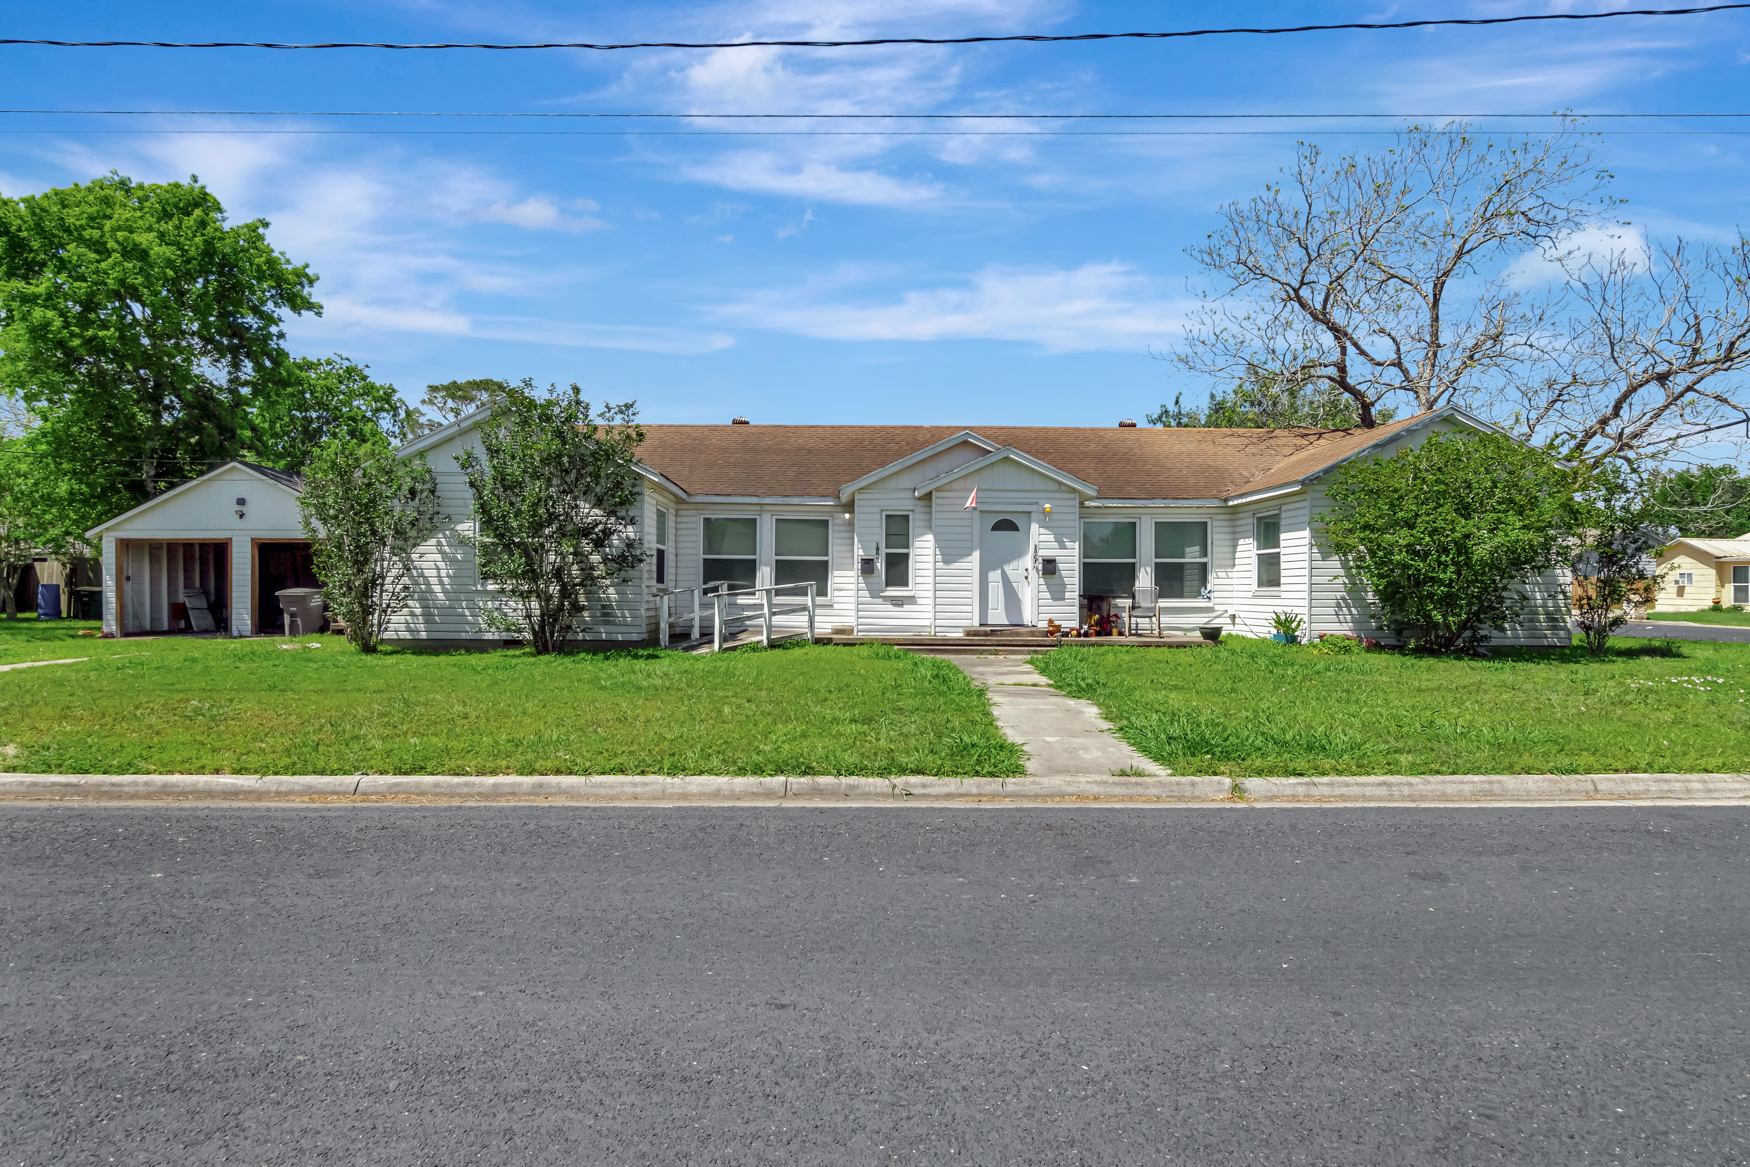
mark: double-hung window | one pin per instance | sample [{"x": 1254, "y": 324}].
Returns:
[
  {"x": 1181, "y": 559},
  {"x": 802, "y": 552},
  {"x": 1108, "y": 558},
  {"x": 731, "y": 552},
  {"x": 1686, "y": 579},
  {"x": 1267, "y": 536},
  {"x": 897, "y": 529},
  {"x": 661, "y": 545},
  {"x": 1741, "y": 585}
]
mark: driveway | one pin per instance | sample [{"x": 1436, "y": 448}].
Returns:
[{"x": 1679, "y": 630}]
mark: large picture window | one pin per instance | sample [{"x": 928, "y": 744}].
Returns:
[
  {"x": 731, "y": 552},
  {"x": 802, "y": 551},
  {"x": 1108, "y": 558},
  {"x": 1181, "y": 559},
  {"x": 1268, "y": 543},
  {"x": 897, "y": 529}
]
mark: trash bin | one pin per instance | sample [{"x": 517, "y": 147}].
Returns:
[
  {"x": 48, "y": 601},
  {"x": 303, "y": 608},
  {"x": 87, "y": 603}
]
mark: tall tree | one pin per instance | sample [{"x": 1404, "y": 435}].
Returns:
[
  {"x": 31, "y": 497},
  {"x": 454, "y": 399},
  {"x": 366, "y": 512},
  {"x": 1649, "y": 351},
  {"x": 1704, "y": 502},
  {"x": 137, "y": 321},
  {"x": 554, "y": 484},
  {"x": 1268, "y": 401},
  {"x": 322, "y": 399},
  {"x": 1381, "y": 275},
  {"x": 1614, "y": 543}
]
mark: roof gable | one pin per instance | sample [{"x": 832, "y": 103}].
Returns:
[
  {"x": 1006, "y": 454},
  {"x": 290, "y": 483}
]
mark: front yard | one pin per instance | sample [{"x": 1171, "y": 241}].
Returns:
[
  {"x": 1250, "y": 708},
  {"x": 257, "y": 707}
]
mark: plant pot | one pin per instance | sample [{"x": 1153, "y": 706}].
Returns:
[
  {"x": 1285, "y": 637},
  {"x": 1211, "y": 633}
]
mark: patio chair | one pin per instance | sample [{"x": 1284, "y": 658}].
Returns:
[{"x": 1145, "y": 605}]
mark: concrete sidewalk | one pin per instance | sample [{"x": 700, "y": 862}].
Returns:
[
  {"x": 1463, "y": 789},
  {"x": 1063, "y": 736}
]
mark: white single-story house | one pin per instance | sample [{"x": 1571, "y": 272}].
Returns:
[
  {"x": 1697, "y": 573},
  {"x": 908, "y": 530}
]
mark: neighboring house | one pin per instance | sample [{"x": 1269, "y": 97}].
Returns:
[
  {"x": 234, "y": 534},
  {"x": 1700, "y": 572},
  {"x": 929, "y": 530}
]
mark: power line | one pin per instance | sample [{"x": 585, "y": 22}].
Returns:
[
  {"x": 399, "y": 113},
  {"x": 898, "y": 40},
  {"x": 820, "y": 133}
]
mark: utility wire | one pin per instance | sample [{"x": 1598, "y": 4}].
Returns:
[
  {"x": 400, "y": 113},
  {"x": 896, "y": 40},
  {"x": 825, "y": 133}
]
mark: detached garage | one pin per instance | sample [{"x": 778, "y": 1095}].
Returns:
[{"x": 207, "y": 557}]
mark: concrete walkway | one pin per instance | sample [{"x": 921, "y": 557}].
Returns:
[{"x": 1063, "y": 737}]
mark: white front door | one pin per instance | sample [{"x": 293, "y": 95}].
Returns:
[
  {"x": 136, "y": 585},
  {"x": 1002, "y": 556}
]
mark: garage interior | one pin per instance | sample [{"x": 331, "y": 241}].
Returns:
[
  {"x": 165, "y": 584},
  {"x": 280, "y": 564}
]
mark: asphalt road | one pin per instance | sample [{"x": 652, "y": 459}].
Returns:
[
  {"x": 497, "y": 985},
  {"x": 1682, "y": 630}
]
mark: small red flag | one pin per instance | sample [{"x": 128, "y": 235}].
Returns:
[{"x": 971, "y": 500}]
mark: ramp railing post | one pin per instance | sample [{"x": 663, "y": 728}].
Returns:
[
  {"x": 767, "y": 638},
  {"x": 811, "y": 586},
  {"x": 662, "y": 618},
  {"x": 717, "y": 622},
  {"x": 698, "y": 602}
]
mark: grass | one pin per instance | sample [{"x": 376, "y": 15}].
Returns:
[
  {"x": 255, "y": 707},
  {"x": 1724, "y": 616},
  {"x": 1256, "y": 709}
]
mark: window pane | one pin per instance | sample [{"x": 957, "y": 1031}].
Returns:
[
  {"x": 801, "y": 537},
  {"x": 1108, "y": 541},
  {"x": 661, "y": 566},
  {"x": 898, "y": 569},
  {"x": 1181, "y": 540},
  {"x": 739, "y": 572},
  {"x": 1179, "y": 581},
  {"x": 729, "y": 536},
  {"x": 662, "y": 528},
  {"x": 1269, "y": 532},
  {"x": 1270, "y": 569},
  {"x": 899, "y": 532},
  {"x": 1108, "y": 579},
  {"x": 794, "y": 571},
  {"x": 1741, "y": 575}
]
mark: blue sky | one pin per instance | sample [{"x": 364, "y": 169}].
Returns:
[{"x": 1018, "y": 278}]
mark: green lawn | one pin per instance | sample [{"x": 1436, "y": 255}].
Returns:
[
  {"x": 1256, "y": 709},
  {"x": 253, "y": 707},
  {"x": 1739, "y": 619}
]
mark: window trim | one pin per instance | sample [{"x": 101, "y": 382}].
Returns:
[
  {"x": 1686, "y": 579},
  {"x": 1159, "y": 559},
  {"x": 660, "y": 535},
  {"x": 1135, "y": 546},
  {"x": 821, "y": 593},
  {"x": 911, "y": 562},
  {"x": 1735, "y": 583},
  {"x": 1259, "y": 552},
  {"x": 755, "y": 519}
]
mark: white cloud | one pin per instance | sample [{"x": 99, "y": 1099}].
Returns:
[
  {"x": 768, "y": 172},
  {"x": 1598, "y": 244},
  {"x": 539, "y": 213},
  {"x": 1095, "y": 306}
]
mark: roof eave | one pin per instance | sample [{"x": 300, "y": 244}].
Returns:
[
  {"x": 169, "y": 494},
  {"x": 912, "y": 459},
  {"x": 1011, "y": 453}
]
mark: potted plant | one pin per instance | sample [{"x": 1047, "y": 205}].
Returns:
[{"x": 1287, "y": 625}]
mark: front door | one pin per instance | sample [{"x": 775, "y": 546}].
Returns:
[{"x": 1002, "y": 556}]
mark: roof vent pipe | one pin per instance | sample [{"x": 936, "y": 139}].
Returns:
[
  {"x": 739, "y": 421},
  {"x": 1127, "y": 424}
]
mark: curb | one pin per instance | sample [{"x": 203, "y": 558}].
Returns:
[{"x": 610, "y": 788}]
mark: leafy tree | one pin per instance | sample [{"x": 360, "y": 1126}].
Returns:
[
  {"x": 319, "y": 400},
  {"x": 1616, "y": 539},
  {"x": 137, "y": 321},
  {"x": 29, "y": 498},
  {"x": 1705, "y": 502},
  {"x": 554, "y": 486},
  {"x": 1443, "y": 533},
  {"x": 1268, "y": 401},
  {"x": 366, "y": 511},
  {"x": 454, "y": 399}
]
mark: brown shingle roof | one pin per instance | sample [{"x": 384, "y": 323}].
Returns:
[{"x": 814, "y": 461}]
